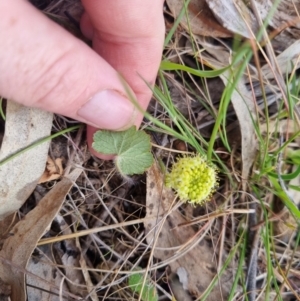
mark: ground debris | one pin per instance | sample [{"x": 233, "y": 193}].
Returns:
[{"x": 193, "y": 260}]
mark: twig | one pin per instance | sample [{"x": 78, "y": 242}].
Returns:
[
  {"x": 253, "y": 240},
  {"x": 73, "y": 152}
]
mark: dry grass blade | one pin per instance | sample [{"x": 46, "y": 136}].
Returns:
[
  {"x": 86, "y": 275},
  {"x": 288, "y": 61},
  {"x": 17, "y": 248}
]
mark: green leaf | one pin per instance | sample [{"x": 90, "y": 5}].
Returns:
[
  {"x": 148, "y": 292},
  {"x": 131, "y": 147},
  {"x": 169, "y": 66}
]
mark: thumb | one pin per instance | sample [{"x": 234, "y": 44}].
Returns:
[{"x": 44, "y": 66}]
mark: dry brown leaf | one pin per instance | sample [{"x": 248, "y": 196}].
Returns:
[
  {"x": 243, "y": 104},
  {"x": 200, "y": 19},
  {"x": 177, "y": 289},
  {"x": 23, "y": 238},
  {"x": 234, "y": 16},
  {"x": 286, "y": 21},
  {"x": 263, "y": 7},
  {"x": 19, "y": 176},
  {"x": 6, "y": 225},
  {"x": 197, "y": 267},
  {"x": 5, "y": 291},
  {"x": 287, "y": 11},
  {"x": 284, "y": 127},
  {"x": 42, "y": 268},
  {"x": 53, "y": 171},
  {"x": 74, "y": 276},
  {"x": 287, "y": 61},
  {"x": 219, "y": 55},
  {"x": 44, "y": 279},
  {"x": 285, "y": 227}
]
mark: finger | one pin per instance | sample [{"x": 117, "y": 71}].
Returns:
[
  {"x": 44, "y": 66},
  {"x": 129, "y": 35}
]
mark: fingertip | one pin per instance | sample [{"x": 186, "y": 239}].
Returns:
[{"x": 108, "y": 109}]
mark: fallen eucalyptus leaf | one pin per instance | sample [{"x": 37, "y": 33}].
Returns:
[
  {"x": 24, "y": 236},
  {"x": 44, "y": 280},
  {"x": 243, "y": 104},
  {"x": 234, "y": 16},
  {"x": 287, "y": 61},
  {"x": 19, "y": 176},
  {"x": 286, "y": 22},
  {"x": 200, "y": 21}
]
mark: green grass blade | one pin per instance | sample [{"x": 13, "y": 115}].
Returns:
[
  {"x": 43, "y": 140},
  {"x": 1, "y": 109},
  {"x": 169, "y": 66}
]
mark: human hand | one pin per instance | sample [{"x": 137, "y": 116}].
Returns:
[{"x": 42, "y": 65}]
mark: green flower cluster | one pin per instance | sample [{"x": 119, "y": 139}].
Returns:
[{"x": 193, "y": 178}]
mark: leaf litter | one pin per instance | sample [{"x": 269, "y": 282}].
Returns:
[
  {"x": 176, "y": 237},
  {"x": 19, "y": 176},
  {"x": 53, "y": 171},
  {"x": 176, "y": 244},
  {"x": 17, "y": 248}
]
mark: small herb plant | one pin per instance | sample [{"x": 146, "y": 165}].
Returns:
[
  {"x": 192, "y": 177},
  {"x": 131, "y": 147},
  {"x": 147, "y": 292}
]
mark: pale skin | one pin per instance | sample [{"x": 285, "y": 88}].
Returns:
[{"x": 44, "y": 66}]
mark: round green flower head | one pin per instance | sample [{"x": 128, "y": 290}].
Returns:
[{"x": 193, "y": 178}]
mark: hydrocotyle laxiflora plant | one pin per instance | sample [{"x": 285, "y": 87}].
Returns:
[{"x": 193, "y": 178}]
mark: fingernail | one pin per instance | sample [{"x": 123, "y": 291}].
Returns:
[{"x": 108, "y": 109}]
